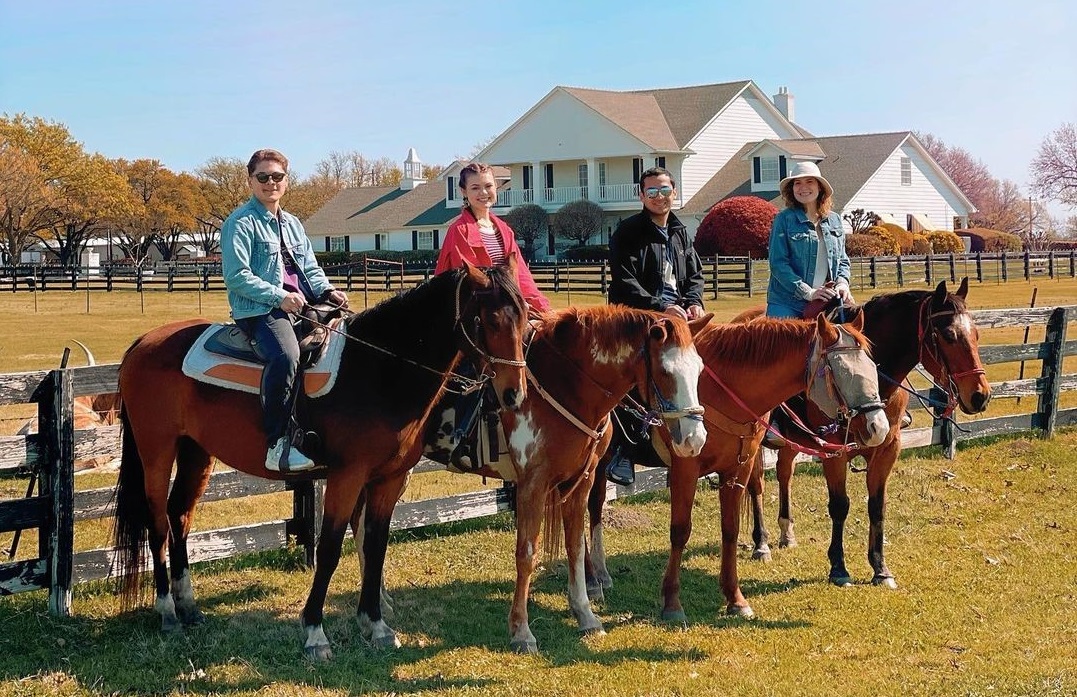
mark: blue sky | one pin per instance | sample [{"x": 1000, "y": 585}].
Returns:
[{"x": 183, "y": 82}]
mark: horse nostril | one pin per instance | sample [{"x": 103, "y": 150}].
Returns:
[
  {"x": 510, "y": 397},
  {"x": 980, "y": 400}
]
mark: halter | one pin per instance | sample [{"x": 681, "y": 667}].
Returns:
[
  {"x": 823, "y": 368},
  {"x": 666, "y": 408},
  {"x": 928, "y": 340}
]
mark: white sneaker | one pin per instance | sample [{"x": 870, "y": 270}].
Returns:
[{"x": 282, "y": 457}]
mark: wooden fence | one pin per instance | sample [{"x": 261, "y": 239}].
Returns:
[
  {"x": 55, "y": 509},
  {"x": 738, "y": 275}
]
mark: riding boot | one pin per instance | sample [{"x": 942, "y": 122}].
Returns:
[
  {"x": 772, "y": 437},
  {"x": 621, "y": 469}
]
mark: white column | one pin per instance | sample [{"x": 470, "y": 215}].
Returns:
[
  {"x": 592, "y": 179},
  {"x": 538, "y": 182}
]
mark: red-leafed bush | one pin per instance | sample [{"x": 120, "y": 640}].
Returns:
[{"x": 738, "y": 226}]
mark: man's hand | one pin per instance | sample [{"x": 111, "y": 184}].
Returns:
[
  {"x": 826, "y": 293},
  {"x": 338, "y": 298},
  {"x": 676, "y": 311},
  {"x": 695, "y": 311},
  {"x": 293, "y": 303}
]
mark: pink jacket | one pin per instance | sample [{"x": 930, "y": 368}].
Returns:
[{"x": 463, "y": 241}]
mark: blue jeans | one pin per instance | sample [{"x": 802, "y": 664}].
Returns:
[
  {"x": 275, "y": 341},
  {"x": 780, "y": 311}
]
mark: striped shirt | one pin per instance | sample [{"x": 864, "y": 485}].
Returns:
[{"x": 495, "y": 246}]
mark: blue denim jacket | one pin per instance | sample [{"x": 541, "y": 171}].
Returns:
[
  {"x": 793, "y": 247},
  {"x": 252, "y": 262}
]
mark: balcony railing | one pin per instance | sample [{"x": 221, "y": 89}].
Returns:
[{"x": 560, "y": 195}]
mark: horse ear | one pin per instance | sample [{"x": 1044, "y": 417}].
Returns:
[
  {"x": 858, "y": 322},
  {"x": 660, "y": 329},
  {"x": 963, "y": 289},
  {"x": 825, "y": 330},
  {"x": 696, "y": 325},
  {"x": 940, "y": 293},
  {"x": 475, "y": 274}
]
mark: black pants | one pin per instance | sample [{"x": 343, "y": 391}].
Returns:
[{"x": 274, "y": 339}]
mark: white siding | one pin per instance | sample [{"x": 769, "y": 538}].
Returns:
[
  {"x": 563, "y": 129},
  {"x": 927, "y": 195},
  {"x": 744, "y": 120}
]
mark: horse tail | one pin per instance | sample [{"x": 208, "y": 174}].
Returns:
[
  {"x": 551, "y": 526},
  {"x": 131, "y": 525}
]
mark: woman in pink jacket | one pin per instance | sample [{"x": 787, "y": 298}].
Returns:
[{"x": 482, "y": 238}]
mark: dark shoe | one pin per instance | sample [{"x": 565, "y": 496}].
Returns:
[
  {"x": 906, "y": 419},
  {"x": 772, "y": 437},
  {"x": 620, "y": 469}
]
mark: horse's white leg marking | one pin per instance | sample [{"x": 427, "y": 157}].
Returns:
[
  {"x": 578, "y": 601},
  {"x": 598, "y": 558},
  {"x": 378, "y": 633},
  {"x": 166, "y": 608}
]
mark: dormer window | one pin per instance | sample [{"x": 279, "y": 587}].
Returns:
[{"x": 768, "y": 170}]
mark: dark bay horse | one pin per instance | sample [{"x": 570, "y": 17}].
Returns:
[
  {"x": 581, "y": 363},
  {"x": 932, "y": 328},
  {"x": 750, "y": 369},
  {"x": 397, "y": 359}
]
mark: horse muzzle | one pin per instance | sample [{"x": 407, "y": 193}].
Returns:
[{"x": 688, "y": 435}]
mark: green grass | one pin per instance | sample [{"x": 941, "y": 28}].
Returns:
[{"x": 986, "y": 606}]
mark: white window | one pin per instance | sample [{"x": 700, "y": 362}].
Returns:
[
  {"x": 381, "y": 240},
  {"x": 906, "y": 171},
  {"x": 337, "y": 244},
  {"x": 425, "y": 239},
  {"x": 582, "y": 169},
  {"x": 768, "y": 169},
  {"x": 602, "y": 180}
]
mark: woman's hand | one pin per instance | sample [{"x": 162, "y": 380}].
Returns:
[
  {"x": 293, "y": 303},
  {"x": 845, "y": 294},
  {"x": 826, "y": 293}
]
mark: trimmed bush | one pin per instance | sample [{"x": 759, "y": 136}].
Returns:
[
  {"x": 864, "y": 245},
  {"x": 591, "y": 252},
  {"x": 531, "y": 223},
  {"x": 738, "y": 226},
  {"x": 883, "y": 234},
  {"x": 900, "y": 235},
  {"x": 945, "y": 242},
  {"x": 988, "y": 240},
  {"x": 578, "y": 221},
  {"x": 920, "y": 244}
]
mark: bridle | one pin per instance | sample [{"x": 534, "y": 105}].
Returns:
[
  {"x": 928, "y": 341},
  {"x": 460, "y": 325},
  {"x": 667, "y": 410},
  {"x": 823, "y": 369}
]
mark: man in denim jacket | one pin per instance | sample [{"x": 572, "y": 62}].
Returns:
[
  {"x": 271, "y": 274},
  {"x": 807, "y": 246}
]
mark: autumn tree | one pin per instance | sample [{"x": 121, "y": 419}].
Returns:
[
  {"x": 530, "y": 222},
  {"x": 223, "y": 181},
  {"x": 91, "y": 198},
  {"x": 1054, "y": 169},
  {"x": 578, "y": 221},
  {"x": 737, "y": 226}
]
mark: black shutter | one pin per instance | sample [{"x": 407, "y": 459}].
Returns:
[
  {"x": 414, "y": 239},
  {"x": 377, "y": 242},
  {"x": 527, "y": 177},
  {"x": 755, "y": 170},
  {"x": 327, "y": 243},
  {"x": 437, "y": 240},
  {"x": 449, "y": 193},
  {"x": 636, "y": 171},
  {"x": 549, "y": 176},
  {"x": 347, "y": 243},
  {"x": 781, "y": 167}
]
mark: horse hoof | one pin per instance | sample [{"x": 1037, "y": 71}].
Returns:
[
  {"x": 596, "y": 594},
  {"x": 841, "y": 581},
  {"x": 389, "y": 641},
  {"x": 171, "y": 625},
  {"x": 528, "y": 646},
  {"x": 761, "y": 554},
  {"x": 744, "y": 611},
  {"x": 885, "y": 582},
  {"x": 193, "y": 618},
  {"x": 319, "y": 654},
  {"x": 787, "y": 544},
  {"x": 593, "y": 631},
  {"x": 677, "y": 616}
]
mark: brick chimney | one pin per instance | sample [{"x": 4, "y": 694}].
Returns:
[{"x": 785, "y": 103}]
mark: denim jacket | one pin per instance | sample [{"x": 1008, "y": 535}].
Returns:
[
  {"x": 793, "y": 248},
  {"x": 252, "y": 262}
]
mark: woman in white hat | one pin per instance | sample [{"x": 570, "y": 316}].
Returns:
[{"x": 807, "y": 246}]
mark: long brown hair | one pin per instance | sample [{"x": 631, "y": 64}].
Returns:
[{"x": 823, "y": 203}]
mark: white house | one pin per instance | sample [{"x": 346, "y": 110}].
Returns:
[{"x": 718, "y": 141}]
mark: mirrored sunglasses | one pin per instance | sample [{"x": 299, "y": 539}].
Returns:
[
  {"x": 263, "y": 177},
  {"x": 656, "y": 191}
]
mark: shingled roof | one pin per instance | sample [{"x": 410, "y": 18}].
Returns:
[
  {"x": 380, "y": 209},
  {"x": 665, "y": 119},
  {"x": 850, "y": 161}
]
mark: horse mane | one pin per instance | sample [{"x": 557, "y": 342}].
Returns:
[
  {"x": 609, "y": 326},
  {"x": 899, "y": 302},
  {"x": 762, "y": 337}
]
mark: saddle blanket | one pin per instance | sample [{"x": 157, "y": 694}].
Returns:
[{"x": 246, "y": 376}]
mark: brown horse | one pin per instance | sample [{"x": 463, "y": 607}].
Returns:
[
  {"x": 581, "y": 362},
  {"x": 914, "y": 326},
  {"x": 750, "y": 369},
  {"x": 397, "y": 359}
]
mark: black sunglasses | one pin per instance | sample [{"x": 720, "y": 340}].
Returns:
[{"x": 278, "y": 177}]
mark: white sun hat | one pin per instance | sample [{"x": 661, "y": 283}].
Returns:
[{"x": 802, "y": 170}]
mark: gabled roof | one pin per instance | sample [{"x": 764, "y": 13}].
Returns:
[
  {"x": 798, "y": 149},
  {"x": 850, "y": 162},
  {"x": 380, "y": 209}
]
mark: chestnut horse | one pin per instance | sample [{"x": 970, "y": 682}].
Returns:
[
  {"x": 581, "y": 363},
  {"x": 395, "y": 362},
  {"x": 750, "y": 369},
  {"x": 909, "y": 327}
]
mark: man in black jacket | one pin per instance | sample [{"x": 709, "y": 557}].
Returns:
[{"x": 654, "y": 267}]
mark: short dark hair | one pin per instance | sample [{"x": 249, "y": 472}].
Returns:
[
  {"x": 266, "y": 154},
  {"x": 656, "y": 172}
]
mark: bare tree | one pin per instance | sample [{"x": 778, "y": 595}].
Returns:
[
  {"x": 530, "y": 222},
  {"x": 1054, "y": 170},
  {"x": 579, "y": 221},
  {"x": 860, "y": 220}
]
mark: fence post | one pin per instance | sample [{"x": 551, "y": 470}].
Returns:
[
  {"x": 74, "y": 278},
  {"x": 1002, "y": 257},
  {"x": 604, "y": 269},
  {"x": 171, "y": 278},
  {"x": 872, "y": 271},
  {"x": 556, "y": 276},
  {"x": 1073, "y": 264},
  {"x": 307, "y": 503},
  {"x": 56, "y": 541},
  {"x": 205, "y": 278},
  {"x": 1028, "y": 265},
  {"x": 900, "y": 273},
  {"x": 1051, "y": 265},
  {"x": 138, "y": 279},
  {"x": 927, "y": 269},
  {"x": 953, "y": 268},
  {"x": 714, "y": 277},
  {"x": 750, "y": 267},
  {"x": 1051, "y": 375},
  {"x": 979, "y": 268}
]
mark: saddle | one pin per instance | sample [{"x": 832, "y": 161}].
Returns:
[{"x": 466, "y": 435}]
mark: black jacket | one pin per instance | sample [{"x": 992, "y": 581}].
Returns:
[{"x": 636, "y": 252}]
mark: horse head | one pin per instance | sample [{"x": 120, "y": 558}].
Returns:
[
  {"x": 843, "y": 380},
  {"x": 492, "y": 319},
  {"x": 950, "y": 349},
  {"x": 671, "y": 382}
]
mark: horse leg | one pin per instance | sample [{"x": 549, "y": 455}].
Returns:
[
  {"x": 192, "y": 476},
  {"x": 157, "y": 473},
  {"x": 879, "y": 467},
  {"x": 530, "y": 501},
  {"x": 598, "y": 576},
  {"x": 358, "y": 534},
  {"x": 760, "y": 539},
  {"x": 730, "y": 497},
  {"x": 573, "y": 511},
  {"x": 682, "y": 491},
  {"x": 836, "y": 470},
  {"x": 341, "y": 493},
  {"x": 784, "y": 472},
  {"x": 381, "y": 498}
]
